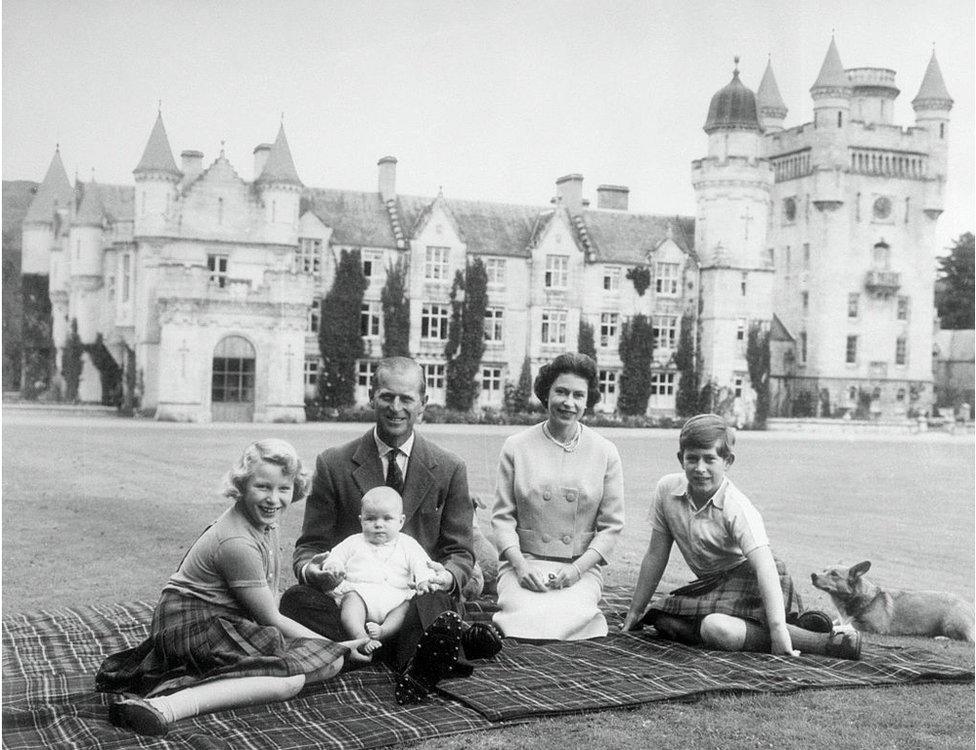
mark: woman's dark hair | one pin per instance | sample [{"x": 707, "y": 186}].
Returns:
[{"x": 573, "y": 363}]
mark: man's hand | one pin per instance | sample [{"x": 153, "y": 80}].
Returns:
[
  {"x": 318, "y": 577},
  {"x": 440, "y": 578}
]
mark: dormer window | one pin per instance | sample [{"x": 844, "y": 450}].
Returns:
[
  {"x": 557, "y": 271},
  {"x": 436, "y": 263}
]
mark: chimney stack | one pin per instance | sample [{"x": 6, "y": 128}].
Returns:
[
  {"x": 192, "y": 162},
  {"x": 612, "y": 197},
  {"x": 387, "y": 175},
  {"x": 261, "y": 152},
  {"x": 569, "y": 191}
]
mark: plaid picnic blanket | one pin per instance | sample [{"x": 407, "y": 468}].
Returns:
[{"x": 50, "y": 658}]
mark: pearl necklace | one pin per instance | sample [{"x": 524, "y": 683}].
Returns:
[{"x": 570, "y": 445}]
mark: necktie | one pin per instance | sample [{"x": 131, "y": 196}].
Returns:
[{"x": 394, "y": 477}]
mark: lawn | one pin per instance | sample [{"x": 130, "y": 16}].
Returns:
[{"x": 102, "y": 510}]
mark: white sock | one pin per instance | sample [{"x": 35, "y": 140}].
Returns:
[{"x": 176, "y": 706}]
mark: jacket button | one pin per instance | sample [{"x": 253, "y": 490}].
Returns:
[
  {"x": 546, "y": 538},
  {"x": 566, "y": 539}
]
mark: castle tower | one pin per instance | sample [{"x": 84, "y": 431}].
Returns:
[
  {"x": 932, "y": 105},
  {"x": 84, "y": 256},
  {"x": 772, "y": 108},
  {"x": 280, "y": 190},
  {"x": 156, "y": 179},
  {"x": 732, "y": 186},
  {"x": 50, "y": 207}
]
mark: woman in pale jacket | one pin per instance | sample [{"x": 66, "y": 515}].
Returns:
[{"x": 559, "y": 509}]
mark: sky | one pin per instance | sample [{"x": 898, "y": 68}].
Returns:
[{"x": 488, "y": 100}]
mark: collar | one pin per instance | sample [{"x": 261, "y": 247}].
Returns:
[
  {"x": 717, "y": 499},
  {"x": 382, "y": 448}
]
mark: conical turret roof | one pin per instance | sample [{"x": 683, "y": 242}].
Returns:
[
  {"x": 768, "y": 98},
  {"x": 54, "y": 191},
  {"x": 832, "y": 74},
  {"x": 933, "y": 90},
  {"x": 280, "y": 167},
  {"x": 158, "y": 156},
  {"x": 91, "y": 210},
  {"x": 732, "y": 107}
]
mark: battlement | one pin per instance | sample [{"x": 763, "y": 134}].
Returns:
[
  {"x": 872, "y": 78},
  {"x": 179, "y": 281}
]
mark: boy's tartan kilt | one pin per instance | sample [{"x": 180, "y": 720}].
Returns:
[
  {"x": 193, "y": 641},
  {"x": 733, "y": 592}
]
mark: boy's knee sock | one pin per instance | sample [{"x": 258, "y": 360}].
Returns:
[
  {"x": 681, "y": 629},
  {"x": 806, "y": 641},
  {"x": 756, "y": 638}
]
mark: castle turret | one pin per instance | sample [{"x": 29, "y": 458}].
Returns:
[
  {"x": 932, "y": 105},
  {"x": 831, "y": 92},
  {"x": 85, "y": 260},
  {"x": 736, "y": 283},
  {"x": 280, "y": 190},
  {"x": 47, "y": 211},
  {"x": 156, "y": 179},
  {"x": 772, "y": 108}
]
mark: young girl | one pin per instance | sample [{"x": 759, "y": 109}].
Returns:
[
  {"x": 217, "y": 639},
  {"x": 378, "y": 570}
]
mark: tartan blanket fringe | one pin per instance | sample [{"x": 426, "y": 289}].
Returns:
[{"x": 50, "y": 659}]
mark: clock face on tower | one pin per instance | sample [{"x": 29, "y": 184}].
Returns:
[
  {"x": 882, "y": 207},
  {"x": 789, "y": 208}
]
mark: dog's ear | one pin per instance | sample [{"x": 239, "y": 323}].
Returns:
[{"x": 859, "y": 570}]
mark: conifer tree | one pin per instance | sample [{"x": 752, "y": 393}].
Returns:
[
  {"x": 636, "y": 354},
  {"x": 71, "y": 362},
  {"x": 757, "y": 357},
  {"x": 518, "y": 397},
  {"x": 686, "y": 398},
  {"x": 586, "y": 343},
  {"x": 956, "y": 289},
  {"x": 396, "y": 311},
  {"x": 466, "y": 336},
  {"x": 340, "y": 340}
]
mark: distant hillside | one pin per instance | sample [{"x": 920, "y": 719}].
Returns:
[{"x": 17, "y": 196}]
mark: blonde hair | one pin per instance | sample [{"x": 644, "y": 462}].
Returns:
[{"x": 273, "y": 451}]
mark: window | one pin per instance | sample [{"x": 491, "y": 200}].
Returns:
[
  {"x": 491, "y": 382},
  {"x": 126, "y": 276},
  {"x": 742, "y": 283},
  {"x": 881, "y": 256},
  {"x": 853, "y": 302},
  {"x": 365, "y": 369},
  {"x": 900, "y": 396},
  {"x": 111, "y": 288},
  {"x": 666, "y": 279},
  {"x": 901, "y": 311},
  {"x": 609, "y": 323},
  {"x": 311, "y": 371},
  {"x": 664, "y": 328},
  {"x": 607, "y": 384},
  {"x": 369, "y": 319},
  {"x": 371, "y": 263},
  {"x": 611, "y": 278},
  {"x": 662, "y": 383},
  {"x": 233, "y": 371},
  {"x": 901, "y": 350},
  {"x": 434, "y": 374},
  {"x": 434, "y": 321},
  {"x": 740, "y": 329},
  {"x": 220, "y": 209},
  {"x": 851, "y": 355},
  {"x": 557, "y": 271},
  {"x": 495, "y": 270},
  {"x": 788, "y": 259},
  {"x": 806, "y": 256},
  {"x": 436, "y": 263},
  {"x": 803, "y": 347},
  {"x": 217, "y": 264},
  {"x": 805, "y": 297},
  {"x": 770, "y": 257},
  {"x": 738, "y": 380},
  {"x": 314, "y": 316},
  {"x": 493, "y": 324},
  {"x": 553, "y": 326}
]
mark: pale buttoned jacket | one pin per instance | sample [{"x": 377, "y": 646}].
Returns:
[{"x": 556, "y": 503}]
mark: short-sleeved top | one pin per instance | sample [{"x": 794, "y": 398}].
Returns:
[
  {"x": 397, "y": 563},
  {"x": 715, "y": 537},
  {"x": 231, "y": 553}
]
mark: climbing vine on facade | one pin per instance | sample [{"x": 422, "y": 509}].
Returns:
[{"x": 640, "y": 276}]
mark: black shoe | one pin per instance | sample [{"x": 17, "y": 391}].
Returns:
[
  {"x": 437, "y": 653},
  {"x": 408, "y": 691},
  {"x": 138, "y": 715},
  {"x": 815, "y": 621},
  {"x": 844, "y": 645},
  {"x": 481, "y": 640}
]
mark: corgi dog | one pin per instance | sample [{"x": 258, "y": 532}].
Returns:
[{"x": 868, "y": 607}]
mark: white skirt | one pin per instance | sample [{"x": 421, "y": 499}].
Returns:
[{"x": 569, "y": 614}]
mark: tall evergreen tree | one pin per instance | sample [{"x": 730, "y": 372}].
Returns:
[
  {"x": 396, "y": 311},
  {"x": 71, "y": 362},
  {"x": 686, "y": 398},
  {"x": 466, "y": 337},
  {"x": 636, "y": 354},
  {"x": 518, "y": 397},
  {"x": 586, "y": 343},
  {"x": 956, "y": 293},
  {"x": 757, "y": 357},
  {"x": 340, "y": 339}
]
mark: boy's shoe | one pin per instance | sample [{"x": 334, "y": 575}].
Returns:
[
  {"x": 815, "y": 621},
  {"x": 481, "y": 640},
  {"x": 844, "y": 645},
  {"x": 138, "y": 715}
]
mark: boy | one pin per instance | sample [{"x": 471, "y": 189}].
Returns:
[
  {"x": 743, "y": 596},
  {"x": 378, "y": 569}
]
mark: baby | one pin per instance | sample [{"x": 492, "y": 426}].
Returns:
[{"x": 378, "y": 570}]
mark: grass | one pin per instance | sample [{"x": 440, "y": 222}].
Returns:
[{"x": 102, "y": 510}]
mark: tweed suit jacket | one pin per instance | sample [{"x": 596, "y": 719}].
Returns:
[{"x": 436, "y": 502}]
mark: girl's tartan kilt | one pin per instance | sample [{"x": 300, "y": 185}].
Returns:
[
  {"x": 193, "y": 641},
  {"x": 733, "y": 592}
]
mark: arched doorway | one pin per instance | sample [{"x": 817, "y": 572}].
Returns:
[{"x": 232, "y": 382}]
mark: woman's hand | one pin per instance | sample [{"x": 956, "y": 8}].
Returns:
[
  {"x": 565, "y": 577},
  {"x": 532, "y": 578}
]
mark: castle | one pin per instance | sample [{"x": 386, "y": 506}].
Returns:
[{"x": 208, "y": 285}]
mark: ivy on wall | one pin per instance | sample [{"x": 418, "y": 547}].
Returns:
[
  {"x": 640, "y": 276},
  {"x": 340, "y": 338}
]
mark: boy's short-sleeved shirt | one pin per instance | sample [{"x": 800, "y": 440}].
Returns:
[{"x": 715, "y": 537}]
